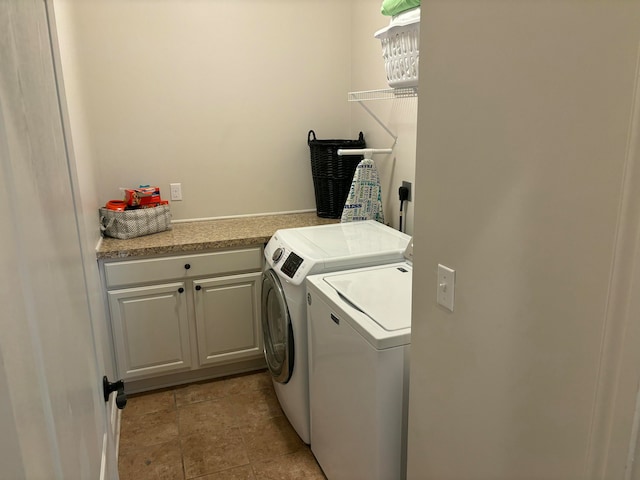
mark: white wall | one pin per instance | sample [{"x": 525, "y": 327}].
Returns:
[
  {"x": 216, "y": 95},
  {"x": 523, "y": 144},
  {"x": 219, "y": 96}
]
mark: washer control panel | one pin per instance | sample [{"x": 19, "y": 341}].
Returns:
[
  {"x": 291, "y": 265},
  {"x": 281, "y": 258}
]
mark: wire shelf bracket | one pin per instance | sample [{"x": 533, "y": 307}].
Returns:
[{"x": 385, "y": 94}]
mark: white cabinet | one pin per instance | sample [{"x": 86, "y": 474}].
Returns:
[
  {"x": 227, "y": 313},
  {"x": 183, "y": 313},
  {"x": 150, "y": 329}
]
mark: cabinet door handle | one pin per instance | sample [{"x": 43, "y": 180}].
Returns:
[
  {"x": 187, "y": 266},
  {"x": 180, "y": 290},
  {"x": 198, "y": 287}
]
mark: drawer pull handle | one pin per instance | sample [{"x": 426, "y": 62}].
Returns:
[
  {"x": 198, "y": 287},
  {"x": 180, "y": 290},
  {"x": 187, "y": 266}
]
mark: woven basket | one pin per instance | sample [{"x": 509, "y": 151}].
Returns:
[{"x": 332, "y": 173}]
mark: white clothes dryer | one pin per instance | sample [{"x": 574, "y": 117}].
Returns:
[
  {"x": 359, "y": 339},
  {"x": 291, "y": 255}
]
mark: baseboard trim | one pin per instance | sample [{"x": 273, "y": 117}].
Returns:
[{"x": 226, "y": 217}]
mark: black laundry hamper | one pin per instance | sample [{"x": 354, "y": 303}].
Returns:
[{"x": 332, "y": 173}]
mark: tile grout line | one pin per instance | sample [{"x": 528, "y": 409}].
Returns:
[{"x": 175, "y": 405}]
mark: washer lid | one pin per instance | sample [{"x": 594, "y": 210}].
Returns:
[{"x": 383, "y": 294}]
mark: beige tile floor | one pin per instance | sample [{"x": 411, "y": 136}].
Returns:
[{"x": 226, "y": 429}]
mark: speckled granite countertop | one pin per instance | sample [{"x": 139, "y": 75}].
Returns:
[{"x": 207, "y": 235}]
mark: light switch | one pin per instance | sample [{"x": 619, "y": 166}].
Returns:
[{"x": 446, "y": 286}]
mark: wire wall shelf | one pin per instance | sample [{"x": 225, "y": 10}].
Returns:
[{"x": 385, "y": 94}]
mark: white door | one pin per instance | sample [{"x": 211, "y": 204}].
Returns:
[{"x": 52, "y": 413}]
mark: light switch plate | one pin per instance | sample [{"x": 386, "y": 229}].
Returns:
[{"x": 446, "y": 286}]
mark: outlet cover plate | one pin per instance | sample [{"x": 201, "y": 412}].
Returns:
[
  {"x": 176, "y": 191},
  {"x": 407, "y": 185}
]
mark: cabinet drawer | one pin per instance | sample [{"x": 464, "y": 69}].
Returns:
[{"x": 154, "y": 270}]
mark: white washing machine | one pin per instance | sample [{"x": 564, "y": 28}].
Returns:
[
  {"x": 291, "y": 255},
  {"x": 359, "y": 341}
]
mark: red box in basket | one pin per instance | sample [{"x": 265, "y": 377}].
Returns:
[{"x": 138, "y": 197}]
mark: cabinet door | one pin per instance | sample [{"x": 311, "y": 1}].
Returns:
[
  {"x": 228, "y": 318},
  {"x": 150, "y": 329}
]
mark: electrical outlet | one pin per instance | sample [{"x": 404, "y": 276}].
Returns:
[
  {"x": 407, "y": 185},
  {"x": 176, "y": 191}
]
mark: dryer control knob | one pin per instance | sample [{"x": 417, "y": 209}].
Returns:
[{"x": 277, "y": 254}]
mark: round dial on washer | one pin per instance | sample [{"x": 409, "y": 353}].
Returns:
[{"x": 277, "y": 254}]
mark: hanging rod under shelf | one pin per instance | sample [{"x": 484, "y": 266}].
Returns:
[
  {"x": 366, "y": 152},
  {"x": 384, "y": 94}
]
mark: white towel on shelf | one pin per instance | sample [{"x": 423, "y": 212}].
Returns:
[{"x": 364, "y": 201}]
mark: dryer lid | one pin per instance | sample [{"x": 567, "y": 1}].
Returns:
[
  {"x": 383, "y": 294},
  {"x": 327, "y": 248},
  {"x": 345, "y": 240}
]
